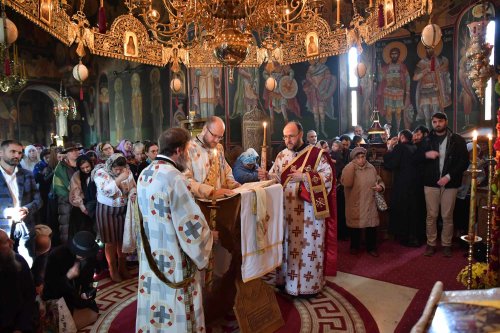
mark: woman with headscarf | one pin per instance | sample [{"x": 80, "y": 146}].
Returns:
[
  {"x": 115, "y": 185},
  {"x": 82, "y": 196},
  {"x": 125, "y": 147},
  {"x": 30, "y": 158},
  {"x": 245, "y": 169},
  {"x": 360, "y": 180},
  {"x": 103, "y": 150}
]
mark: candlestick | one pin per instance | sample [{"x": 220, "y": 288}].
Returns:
[
  {"x": 265, "y": 134},
  {"x": 338, "y": 11},
  {"x": 371, "y": 3},
  {"x": 490, "y": 145},
  {"x": 471, "y": 235},
  {"x": 474, "y": 147}
]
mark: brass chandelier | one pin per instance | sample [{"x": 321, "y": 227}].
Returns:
[{"x": 227, "y": 27}]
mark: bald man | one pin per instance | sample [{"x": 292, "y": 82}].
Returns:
[
  {"x": 310, "y": 216},
  {"x": 207, "y": 168}
]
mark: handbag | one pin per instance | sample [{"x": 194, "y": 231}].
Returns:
[{"x": 380, "y": 201}]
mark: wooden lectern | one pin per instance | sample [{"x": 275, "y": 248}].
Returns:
[{"x": 254, "y": 302}]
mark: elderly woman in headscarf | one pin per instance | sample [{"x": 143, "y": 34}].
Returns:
[
  {"x": 115, "y": 186},
  {"x": 31, "y": 158},
  {"x": 125, "y": 147},
  {"x": 245, "y": 169},
  {"x": 360, "y": 180},
  {"x": 82, "y": 196}
]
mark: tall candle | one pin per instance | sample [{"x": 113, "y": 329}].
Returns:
[
  {"x": 371, "y": 3},
  {"x": 265, "y": 134},
  {"x": 338, "y": 11},
  {"x": 214, "y": 152},
  {"x": 474, "y": 148},
  {"x": 490, "y": 145}
]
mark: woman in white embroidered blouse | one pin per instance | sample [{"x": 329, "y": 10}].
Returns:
[{"x": 115, "y": 186}]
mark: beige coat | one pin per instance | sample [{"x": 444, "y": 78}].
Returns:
[{"x": 360, "y": 207}]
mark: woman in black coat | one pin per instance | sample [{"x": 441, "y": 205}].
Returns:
[{"x": 403, "y": 221}]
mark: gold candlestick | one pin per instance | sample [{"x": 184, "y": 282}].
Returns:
[
  {"x": 213, "y": 226},
  {"x": 471, "y": 235},
  {"x": 489, "y": 205}
]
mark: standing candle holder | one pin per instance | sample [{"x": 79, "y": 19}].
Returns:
[
  {"x": 213, "y": 226},
  {"x": 490, "y": 208},
  {"x": 471, "y": 237}
]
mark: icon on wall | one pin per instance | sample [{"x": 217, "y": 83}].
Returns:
[
  {"x": 312, "y": 44},
  {"x": 46, "y": 11},
  {"x": 389, "y": 15},
  {"x": 130, "y": 47}
]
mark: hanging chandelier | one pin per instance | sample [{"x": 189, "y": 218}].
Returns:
[
  {"x": 229, "y": 28},
  {"x": 65, "y": 105},
  {"x": 13, "y": 75}
]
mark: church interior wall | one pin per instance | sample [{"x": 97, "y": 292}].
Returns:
[{"x": 209, "y": 91}]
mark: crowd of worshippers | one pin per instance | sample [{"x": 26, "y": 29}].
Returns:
[{"x": 58, "y": 205}]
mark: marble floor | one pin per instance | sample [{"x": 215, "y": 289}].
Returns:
[{"x": 386, "y": 302}]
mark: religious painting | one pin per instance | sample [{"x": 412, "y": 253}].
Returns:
[
  {"x": 389, "y": 16},
  {"x": 206, "y": 97},
  {"x": 46, "y": 11},
  {"x": 312, "y": 44},
  {"x": 430, "y": 76},
  {"x": 468, "y": 108},
  {"x": 393, "y": 88},
  {"x": 178, "y": 96},
  {"x": 130, "y": 46}
]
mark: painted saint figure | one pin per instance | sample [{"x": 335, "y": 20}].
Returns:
[
  {"x": 246, "y": 96},
  {"x": 136, "y": 106},
  {"x": 434, "y": 84},
  {"x": 119, "y": 109},
  {"x": 319, "y": 87},
  {"x": 394, "y": 85},
  {"x": 156, "y": 102}
]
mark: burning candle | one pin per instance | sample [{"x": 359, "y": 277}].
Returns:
[
  {"x": 214, "y": 153},
  {"x": 371, "y": 3},
  {"x": 490, "y": 145},
  {"x": 474, "y": 148},
  {"x": 338, "y": 11},
  {"x": 265, "y": 134}
]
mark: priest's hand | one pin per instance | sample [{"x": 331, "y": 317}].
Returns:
[
  {"x": 297, "y": 176},
  {"x": 263, "y": 174},
  {"x": 377, "y": 188},
  {"x": 222, "y": 192}
]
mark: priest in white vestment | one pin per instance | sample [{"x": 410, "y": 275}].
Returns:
[
  {"x": 175, "y": 243},
  {"x": 207, "y": 168},
  {"x": 307, "y": 177}
]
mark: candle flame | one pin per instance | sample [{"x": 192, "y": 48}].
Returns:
[
  {"x": 214, "y": 151},
  {"x": 474, "y": 135},
  {"x": 490, "y": 136},
  {"x": 265, "y": 124}
]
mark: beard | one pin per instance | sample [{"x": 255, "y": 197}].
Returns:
[
  {"x": 8, "y": 263},
  {"x": 440, "y": 129},
  {"x": 181, "y": 162},
  {"x": 12, "y": 162}
]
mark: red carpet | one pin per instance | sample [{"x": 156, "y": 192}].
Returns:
[
  {"x": 407, "y": 267},
  {"x": 333, "y": 310}
]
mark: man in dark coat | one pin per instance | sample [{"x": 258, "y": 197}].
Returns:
[
  {"x": 69, "y": 274},
  {"x": 446, "y": 159},
  {"x": 403, "y": 221},
  {"x": 19, "y": 200}
]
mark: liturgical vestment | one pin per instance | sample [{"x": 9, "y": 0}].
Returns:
[
  {"x": 177, "y": 232},
  {"x": 302, "y": 271}
]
